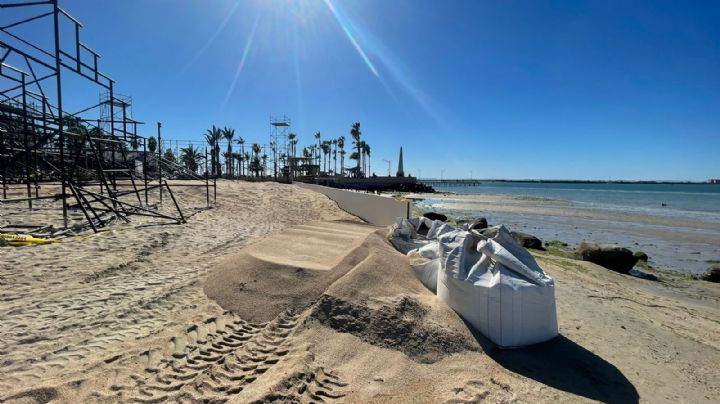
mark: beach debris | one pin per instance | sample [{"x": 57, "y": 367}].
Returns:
[
  {"x": 493, "y": 283},
  {"x": 435, "y": 216},
  {"x": 610, "y": 256},
  {"x": 643, "y": 275},
  {"x": 712, "y": 274},
  {"x": 17, "y": 240}
]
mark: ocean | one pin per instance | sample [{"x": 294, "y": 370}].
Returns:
[
  {"x": 678, "y": 225},
  {"x": 697, "y": 201}
]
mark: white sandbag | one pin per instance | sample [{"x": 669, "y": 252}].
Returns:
[
  {"x": 438, "y": 228},
  {"x": 499, "y": 289},
  {"x": 458, "y": 251},
  {"x": 427, "y": 273},
  {"x": 431, "y": 251},
  {"x": 403, "y": 228},
  {"x": 403, "y": 237},
  {"x": 415, "y": 221}
]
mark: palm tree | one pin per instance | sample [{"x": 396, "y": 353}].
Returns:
[
  {"x": 355, "y": 133},
  {"x": 241, "y": 142},
  {"x": 213, "y": 137},
  {"x": 341, "y": 145},
  {"x": 255, "y": 165},
  {"x": 292, "y": 141},
  {"x": 342, "y": 162},
  {"x": 325, "y": 147},
  {"x": 152, "y": 144},
  {"x": 362, "y": 156},
  {"x": 229, "y": 134},
  {"x": 317, "y": 136},
  {"x": 355, "y": 156},
  {"x": 190, "y": 156},
  {"x": 236, "y": 157},
  {"x": 334, "y": 156},
  {"x": 366, "y": 150},
  {"x": 273, "y": 149}
]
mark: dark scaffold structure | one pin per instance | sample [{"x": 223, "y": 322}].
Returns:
[{"x": 91, "y": 163}]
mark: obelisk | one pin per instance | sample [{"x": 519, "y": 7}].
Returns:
[{"x": 400, "y": 171}]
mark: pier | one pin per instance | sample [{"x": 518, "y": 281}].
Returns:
[{"x": 450, "y": 182}]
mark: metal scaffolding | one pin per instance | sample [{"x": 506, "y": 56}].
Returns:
[
  {"x": 280, "y": 146},
  {"x": 101, "y": 164}
]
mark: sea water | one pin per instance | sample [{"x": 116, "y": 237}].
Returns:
[{"x": 683, "y": 247}]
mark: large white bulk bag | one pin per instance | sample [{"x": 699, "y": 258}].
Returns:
[
  {"x": 427, "y": 273},
  {"x": 497, "y": 287},
  {"x": 438, "y": 228},
  {"x": 403, "y": 236}
]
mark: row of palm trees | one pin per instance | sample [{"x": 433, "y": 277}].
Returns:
[
  {"x": 325, "y": 150},
  {"x": 252, "y": 162}
]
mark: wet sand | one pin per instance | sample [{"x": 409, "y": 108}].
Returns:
[
  {"x": 237, "y": 305},
  {"x": 673, "y": 243}
]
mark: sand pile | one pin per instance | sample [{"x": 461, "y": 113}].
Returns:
[{"x": 289, "y": 270}]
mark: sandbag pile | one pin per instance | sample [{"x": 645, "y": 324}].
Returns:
[{"x": 493, "y": 283}]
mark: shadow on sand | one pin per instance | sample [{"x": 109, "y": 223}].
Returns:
[{"x": 562, "y": 364}]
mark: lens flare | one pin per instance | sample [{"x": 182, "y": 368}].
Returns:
[
  {"x": 241, "y": 65},
  {"x": 396, "y": 79},
  {"x": 345, "y": 24},
  {"x": 212, "y": 38}
]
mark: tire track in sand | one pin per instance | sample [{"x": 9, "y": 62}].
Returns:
[{"x": 215, "y": 361}]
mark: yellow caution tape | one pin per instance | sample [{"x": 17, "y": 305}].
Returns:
[{"x": 22, "y": 239}]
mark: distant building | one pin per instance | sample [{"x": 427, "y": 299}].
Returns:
[{"x": 400, "y": 171}]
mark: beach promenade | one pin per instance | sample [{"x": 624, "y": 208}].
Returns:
[{"x": 278, "y": 295}]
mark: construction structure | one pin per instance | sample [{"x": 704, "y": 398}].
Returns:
[
  {"x": 93, "y": 160},
  {"x": 281, "y": 144}
]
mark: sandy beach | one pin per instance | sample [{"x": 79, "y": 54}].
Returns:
[{"x": 278, "y": 295}]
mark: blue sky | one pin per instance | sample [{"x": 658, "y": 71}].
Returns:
[{"x": 505, "y": 89}]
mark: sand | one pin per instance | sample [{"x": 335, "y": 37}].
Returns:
[{"x": 277, "y": 295}]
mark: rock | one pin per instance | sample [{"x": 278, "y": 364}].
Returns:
[
  {"x": 528, "y": 240},
  {"x": 610, "y": 256},
  {"x": 490, "y": 232},
  {"x": 712, "y": 274},
  {"x": 641, "y": 256},
  {"x": 478, "y": 224},
  {"x": 435, "y": 216}
]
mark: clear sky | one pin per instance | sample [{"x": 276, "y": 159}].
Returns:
[{"x": 505, "y": 89}]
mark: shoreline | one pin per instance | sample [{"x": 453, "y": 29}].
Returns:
[
  {"x": 685, "y": 245},
  {"x": 539, "y": 181}
]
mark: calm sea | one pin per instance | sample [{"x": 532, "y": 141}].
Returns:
[
  {"x": 692, "y": 201},
  {"x": 684, "y": 247}
]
